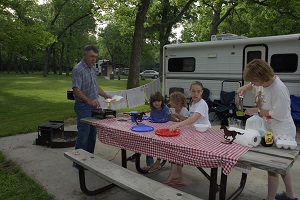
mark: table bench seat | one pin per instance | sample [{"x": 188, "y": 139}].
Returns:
[
  {"x": 124, "y": 178},
  {"x": 270, "y": 158}
]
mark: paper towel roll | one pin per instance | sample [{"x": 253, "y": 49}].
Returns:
[{"x": 250, "y": 137}]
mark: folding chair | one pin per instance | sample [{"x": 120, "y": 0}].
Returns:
[
  {"x": 171, "y": 90},
  {"x": 295, "y": 108},
  {"x": 205, "y": 97},
  {"x": 227, "y": 108}
]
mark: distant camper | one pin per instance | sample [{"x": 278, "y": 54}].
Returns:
[{"x": 98, "y": 65}]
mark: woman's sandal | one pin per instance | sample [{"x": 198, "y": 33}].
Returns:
[
  {"x": 175, "y": 183},
  {"x": 146, "y": 168},
  {"x": 154, "y": 169}
]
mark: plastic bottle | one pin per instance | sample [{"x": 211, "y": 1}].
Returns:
[
  {"x": 231, "y": 118},
  {"x": 267, "y": 138},
  {"x": 255, "y": 122}
]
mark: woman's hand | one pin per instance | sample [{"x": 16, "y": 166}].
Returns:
[
  {"x": 242, "y": 90},
  {"x": 251, "y": 111}
]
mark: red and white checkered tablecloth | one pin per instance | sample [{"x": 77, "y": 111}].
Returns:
[{"x": 190, "y": 147}]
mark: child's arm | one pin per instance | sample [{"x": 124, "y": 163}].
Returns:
[
  {"x": 166, "y": 112},
  {"x": 178, "y": 117},
  {"x": 184, "y": 114},
  {"x": 188, "y": 121}
]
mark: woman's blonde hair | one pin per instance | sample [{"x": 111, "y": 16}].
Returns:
[
  {"x": 178, "y": 97},
  {"x": 258, "y": 70}
]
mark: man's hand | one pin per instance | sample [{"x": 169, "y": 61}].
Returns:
[
  {"x": 108, "y": 96},
  {"x": 95, "y": 103}
]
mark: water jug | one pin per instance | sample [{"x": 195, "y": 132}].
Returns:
[{"x": 257, "y": 123}]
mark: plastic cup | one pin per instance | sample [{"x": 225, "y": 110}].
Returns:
[{"x": 132, "y": 113}]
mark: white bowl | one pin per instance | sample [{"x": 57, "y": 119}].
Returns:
[{"x": 201, "y": 127}]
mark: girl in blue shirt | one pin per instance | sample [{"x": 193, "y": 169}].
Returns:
[{"x": 159, "y": 111}]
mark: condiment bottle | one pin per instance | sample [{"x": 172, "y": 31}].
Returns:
[
  {"x": 241, "y": 104},
  {"x": 267, "y": 138}
]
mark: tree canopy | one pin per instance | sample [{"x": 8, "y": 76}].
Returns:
[{"x": 51, "y": 36}]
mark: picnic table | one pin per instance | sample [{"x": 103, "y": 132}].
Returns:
[{"x": 202, "y": 150}]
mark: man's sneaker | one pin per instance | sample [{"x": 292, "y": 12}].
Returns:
[{"x": 282, "y": 196}]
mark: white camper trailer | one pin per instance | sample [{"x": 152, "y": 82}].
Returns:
[{"x": 213, "y": 62}]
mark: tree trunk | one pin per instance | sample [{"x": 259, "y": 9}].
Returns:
[
  {"x": 53, "y": 61},
  {"x": 164, "y": 34},
  {"x": 48, "y": 52},
  {"x": 137, "y": 44},
  {"x": 217, "y": 19},
  {"x": 60, "y": 65},
  {"x": 67, "y": 60},
  {"x": 214, "y": 24},
  {"x": 45, "y": 72}
]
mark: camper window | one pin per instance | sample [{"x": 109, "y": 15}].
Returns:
[
  {"x": 181, "y": 64},
  {"x": 251, "y": 55},
  {"x": 284, "y": 62}
]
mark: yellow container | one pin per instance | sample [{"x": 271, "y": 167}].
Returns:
[{"x": 269, "y": 138}]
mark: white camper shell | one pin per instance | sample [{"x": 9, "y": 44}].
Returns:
[{"x": 213, "y": 62}]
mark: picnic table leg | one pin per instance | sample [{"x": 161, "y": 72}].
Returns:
[
  {"x": 223, "y": 186},
  {"x": 124, "y": 161},
  {"x": 83, "y": 185},
  {"x": 240, "y": 188},
  {"x": 213, "y": 186},
  {"x": 138, "y": 164}
]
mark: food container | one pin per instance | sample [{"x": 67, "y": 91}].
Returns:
[
  {"x": 201, "y": 127},
  {"x": 133, "y": 114}
]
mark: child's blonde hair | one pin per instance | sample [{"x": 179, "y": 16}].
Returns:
[{"x": 178, "y": 97}]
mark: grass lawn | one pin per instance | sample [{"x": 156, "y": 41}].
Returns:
[
  {"x": 26, "y": 102},
  {"x": 15, "y": 184},
  {"x": 30, "y": 100}
]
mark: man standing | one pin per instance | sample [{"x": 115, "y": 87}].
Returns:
[{"x": 86, "y": 91}]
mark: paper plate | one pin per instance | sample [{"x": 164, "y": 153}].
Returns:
[
  {"x": 111, "y": 100},
  {"x": 142, "y": 128},
  {"x": 157, "y": 120},
  {"x": 165, "y": 132}
]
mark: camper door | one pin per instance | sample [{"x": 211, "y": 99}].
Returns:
[{"x": 250, "y": 53}]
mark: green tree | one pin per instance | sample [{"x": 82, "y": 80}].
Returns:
[
  {"x": 22, "y": 36},
  {"x": 68, "y": 26}
]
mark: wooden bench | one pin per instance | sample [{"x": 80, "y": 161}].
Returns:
[{"x": 122, "y": 177}]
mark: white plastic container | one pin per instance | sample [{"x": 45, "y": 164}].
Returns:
[
  {"x": 257, "y": 123},
  {"x": 285, "y": 142}
]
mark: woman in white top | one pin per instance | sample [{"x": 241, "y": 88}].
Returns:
[{"x": 272, "y": 98}]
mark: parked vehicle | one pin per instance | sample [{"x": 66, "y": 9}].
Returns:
[
  {"x": 212, "y": 62},
  {"x": 125, "y": 71},
  {"x": 149, "y": 74}
]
